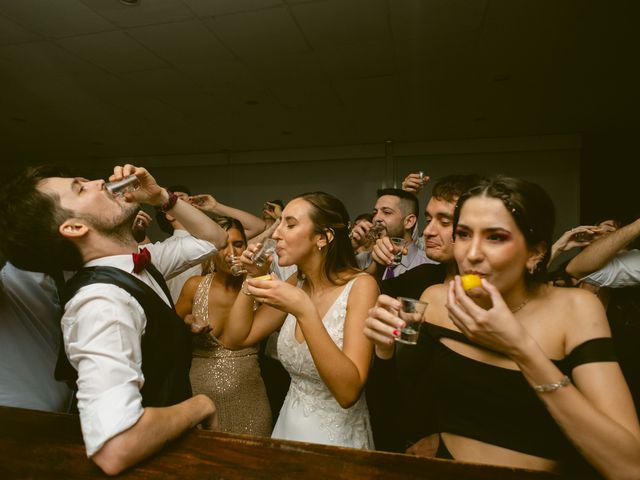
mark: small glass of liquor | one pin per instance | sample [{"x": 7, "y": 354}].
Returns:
[
  {"x": 411, "y": 313},
  {"x": 120, "y": 187}
]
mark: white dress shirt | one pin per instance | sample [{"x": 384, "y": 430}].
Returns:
[
  {"x": 622, "y": 271},
  {"x": 102, "y": 329},
  {"x": 29, "y": 342},
  {"x": 176, "y": 282}
]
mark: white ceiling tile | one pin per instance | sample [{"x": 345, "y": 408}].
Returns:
[
  {"x": 343, "y": 22},
  {"x": 205, "y": 8},
  {"x": 57, "y": 18},
  {"x": 182, "y": 43},
  {"x": 145, "y": 13},
  {"x": 263, "y": 32},
  {"x": 114, "y": 51}
]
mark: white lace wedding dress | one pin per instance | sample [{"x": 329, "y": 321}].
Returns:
[{"x": 310, "y": 413}]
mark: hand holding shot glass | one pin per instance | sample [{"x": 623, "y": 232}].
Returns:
[
  {"x": 399, "y": 246},
  {"x": 129, "y": 183},
  {"x": 411, "y": 313},
  {"x": 235, "y": 265},
  {"x": 260, "y": 256}
]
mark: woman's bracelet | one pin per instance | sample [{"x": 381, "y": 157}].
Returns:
[{"x": 552, "y": 387}]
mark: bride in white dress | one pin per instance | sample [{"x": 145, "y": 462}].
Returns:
[{"x": 321, "y": 312}]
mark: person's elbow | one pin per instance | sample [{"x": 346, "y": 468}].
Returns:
[
  {"x": 111, "y": 459},
  {"x": 348, "y": 399},
  {"x": 219, "y": 239}
]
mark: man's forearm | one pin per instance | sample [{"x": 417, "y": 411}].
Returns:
[
  {"x": 599, "y": 253},
  {"x": 252, "y": 225},
  {"x": 152, "y": 431},
  {"x": 198, "y": 224}
]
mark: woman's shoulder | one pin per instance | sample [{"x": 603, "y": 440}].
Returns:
[
  {"x": 436, "y": 294},
  {"x": 581, "y": 312}
]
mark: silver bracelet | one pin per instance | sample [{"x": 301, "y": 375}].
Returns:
[{"x": 552, "y": 387}]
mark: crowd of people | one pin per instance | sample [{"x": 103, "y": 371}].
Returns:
[{"x": 528, "y": 368}]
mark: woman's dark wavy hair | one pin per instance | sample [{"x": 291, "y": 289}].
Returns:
[
  {"x": 29, "y": 221},
  {"x": 226, "y": 223},
  {"x": 329, "y": 214},
  {"x": 529, "y": 205}
]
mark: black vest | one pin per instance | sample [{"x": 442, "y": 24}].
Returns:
[{"x": 166, "y": 343}]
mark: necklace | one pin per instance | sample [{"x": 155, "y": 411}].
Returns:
[{"x": 521, "y": 306}]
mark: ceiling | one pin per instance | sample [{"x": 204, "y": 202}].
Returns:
[{"x": 83, "y": 79}]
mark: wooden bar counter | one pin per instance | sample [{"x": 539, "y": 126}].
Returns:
[{"x": 37, "y": 444}]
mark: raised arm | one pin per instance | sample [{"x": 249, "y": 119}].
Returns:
[
  {"x": 249, "y": 322},
  {"x": 252, "y": 225},
  {"x": 193, "y": 220},
  {"x": 600, "y": 252},
  {"x": 151, "y": 432}
]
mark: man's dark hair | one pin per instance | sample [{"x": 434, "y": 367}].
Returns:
[
  {"x": 408, "y": 201},
  {"x": 29, "y": 222},
  {"x": 450, "y": 187}
]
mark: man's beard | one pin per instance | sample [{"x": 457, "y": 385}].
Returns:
[
  {"x": 395, "y": 231},
  {"x": 119, "y": 228}
]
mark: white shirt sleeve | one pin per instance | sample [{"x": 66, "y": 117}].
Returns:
[
  {"x": 622, "y": 271},
  {"x": 179, "y": 253},
  {"x": 102, "y": 327}
]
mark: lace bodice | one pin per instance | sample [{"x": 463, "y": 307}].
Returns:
[{"x": 308, "y": 392}]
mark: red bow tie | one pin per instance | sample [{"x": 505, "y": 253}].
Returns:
[{"x": 141, "y": 260}]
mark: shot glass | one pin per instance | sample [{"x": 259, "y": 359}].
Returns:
[
  {"x": 399, "y": 244},
  {"x": 120, "y": 187},
  {"x": 268, "y": 247},
  {"x": 375, "y": 232},
  {"x": 411, "y": 312},
  {"x": 235, "y": 266}
]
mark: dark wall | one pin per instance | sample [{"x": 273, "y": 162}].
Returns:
[{"x": 610, "y": 176}]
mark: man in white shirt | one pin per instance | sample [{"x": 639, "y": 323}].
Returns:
[
  {"x": 607, "y": 262},
  {"x": 55, "y": 222}
]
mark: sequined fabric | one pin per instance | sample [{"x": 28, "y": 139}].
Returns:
[
  {"x": 310, "y": 412},
  {"x": 230, "y": 378}
]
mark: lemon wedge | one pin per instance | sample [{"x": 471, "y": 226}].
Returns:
[
  {"x": 263, "y": 277},
  {"x": 470, "y": 281}
]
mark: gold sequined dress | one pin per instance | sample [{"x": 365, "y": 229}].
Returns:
[{"x": 230, "y": 378}]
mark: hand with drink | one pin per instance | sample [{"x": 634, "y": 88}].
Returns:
[
  {"x": 414, "y": 182},
  {"x": 256, "y": 259},
  {"x": 388, "y": 251},
  {"x": 135, "y": 184},
  {"x": 197, "y": 324},
  {"x": 366, "y": 233},
  {"x": 384, "y": 324}
]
